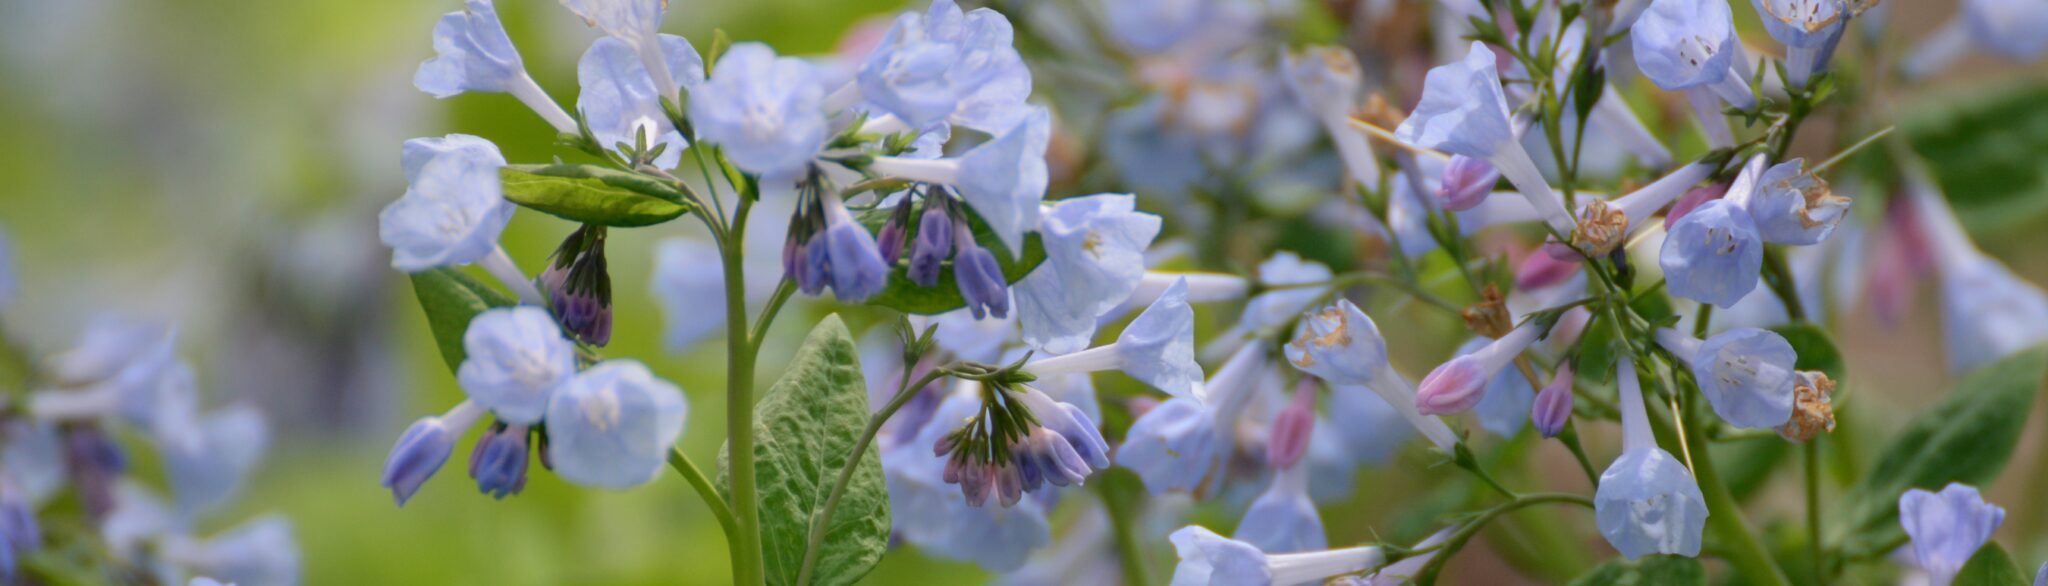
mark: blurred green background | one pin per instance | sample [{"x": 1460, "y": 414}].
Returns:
[{"x": 220, "y": 163}]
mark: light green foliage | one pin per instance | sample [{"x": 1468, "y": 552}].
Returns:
[
  {"x": 593, "y": 195},
  {"x": 450, "y": 299}
]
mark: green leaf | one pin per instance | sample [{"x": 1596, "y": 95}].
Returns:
[
  {"x": 1985, "y": 151},
  {"x": 1991, "y": 566},
  {"x": 1966, "y": 437},
  {"x": 908, "y": 297},
  {"x": 593, "y": 195},
  {"x": 1815, "y": 348},
  {"x": 450, "y": 299},
  {"x": 807, "y": 424},
  {"x": 1655, "y": 570},
  {"x": 1597, "y": 351}
]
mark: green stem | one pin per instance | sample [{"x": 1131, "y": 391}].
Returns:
[
  {"x": 1724, "y": 518},
  {"x": 1782, "y": 283},
  {"x": 1130, "y": 557},
  {"x": 695, "y": 475},
  {"x": 1462, "y": 456},
  {"x": 1464, "y": 534},
  {"x": 822, "y": 519},
  {"x": 1570, "y": 437},
  {"x": 739, "y": 407},
  {"x": 1813, "y": 539}
]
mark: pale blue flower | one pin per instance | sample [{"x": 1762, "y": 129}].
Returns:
[
  {"x": 424, "y": 447},
  {"x": 1947, "y": 527},
  {"x": 1647, "y": 503},
  {"x": 946, "y": 66},
  {"x": 1340, "y": 344},
  {"x": 1465, "y": 112},
  {"x": 1283, "y": 519},
  {"x": 116, "y": 356},
  {"x": 453, "y": 209},
  {"x": 1372, "y": 430},
  {"x": 1004, "y": 179},
  {"x": 625, "y": 19},
  {"x": 1746, "y": 373},
  {"x": 620, "y": 102},
  {"x": 1285, "y": 273},
  {"x": 1791, "y": 206},
  {"x": 1686, "y": 44},
  {"x": 856, "y": 267},
  {"x": 1157, "y": 348},
  {"x": 1208, "y": 559},
  {"x": 1095, "y": 257},
  {"x": 2014, "y": 29},
  {"x": 1152, "y": 26},
  {"x": 766, "y": 111},
  {"x": 612, "y": 425},
  {"x": 516, "y": 358},
  {"x": 1173, "y": 446},
  {"x": 1326, "y": 79},
  {"x": 688, "y": 278},
  {"x": 207, "y": 464},
  {"x": 473, "y": 54},
  {"x": 980, "y": 278},
  {"x": 1988, "y": 312},
  {"x": 1713, "y": 254},
  {"x": 204, "y": 581},
  {"x": 1810, "y": 29},
  {"x": 261, "y": 551}
]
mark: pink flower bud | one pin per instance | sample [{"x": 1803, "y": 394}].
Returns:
[
  {"x": 1453, "y": 387},
  {"x": 1466, "y": 183},
  {"x": 1693, "y": 199},
  {"x": 1553, "y": 407},
  {"x": 1543, "y": 270},
  {"x": 1292, "y": 428}
]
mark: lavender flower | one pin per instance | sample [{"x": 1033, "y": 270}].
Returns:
[
  {"x": 1463, "y": 111},
  {"x": 1947, "y": 527},
  {"x": 1157, "y": 348},
  {"x": 766, "y": 111},
  {"x": 473, "y": 54},
  {"x": 1647, "y": 502},
  {"x": 1095, "y": 258}
]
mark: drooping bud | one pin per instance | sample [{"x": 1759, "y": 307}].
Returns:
[
  {"x": 1459, "y": 384},
  {"x": 1554, "y": 405},
  {"x": 934, "y": 243},
  {"x": 1813, "y": 412},
  {"x": 1466, "y": 183},
  {"x": 980, "y": 279},
  {"x": 579, "y": 286},
  {"x": 423, "y": 448},
  {"x": 498, "y": 464},
  {"x": 890, "y": 240},
  {"x": 1292, "y": 427}
]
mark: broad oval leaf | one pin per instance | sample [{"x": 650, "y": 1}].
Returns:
[
  {"x": 1991, "y": 566},
  {"x": 1985, "y": 151},
  {"x": 804, "y": 430},
  {"x": 903, "y": 295},
  {"x": 592, "y": 195},
  {"x": 1966, "y": 437},
  {"x": 450, "y": 299},
  {"x": 1655, "y": 570}
]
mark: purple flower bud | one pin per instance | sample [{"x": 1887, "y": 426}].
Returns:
[
  {"x": 423, "y": 448},
  {"x": 579, "y": 286},
  {"x": 817, "y": 269},
  {"x": 857, "y": 271},
  {"x": 499, "y": 461},
  {"x": 1554, "y": 405},
  {"x": 1292, "y": 428},
  {"x": 980, "y": 279},
  {"x": 1467, "y": 181},
  {"x": 893, "y": 234},
  {"x": 1459, "y": 384},
  {"x": 934, "y": 242},
  {"x": 95, "y": 463}
]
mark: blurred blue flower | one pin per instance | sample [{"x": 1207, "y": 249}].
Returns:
[
  {"x": 1283, "y": 519},
  {"x": 1208, "y": 559},
  {"x": 1947, "y": 527},
  {"x": 1157, "y": 348},
  {"x": 946, "y": 66}
]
